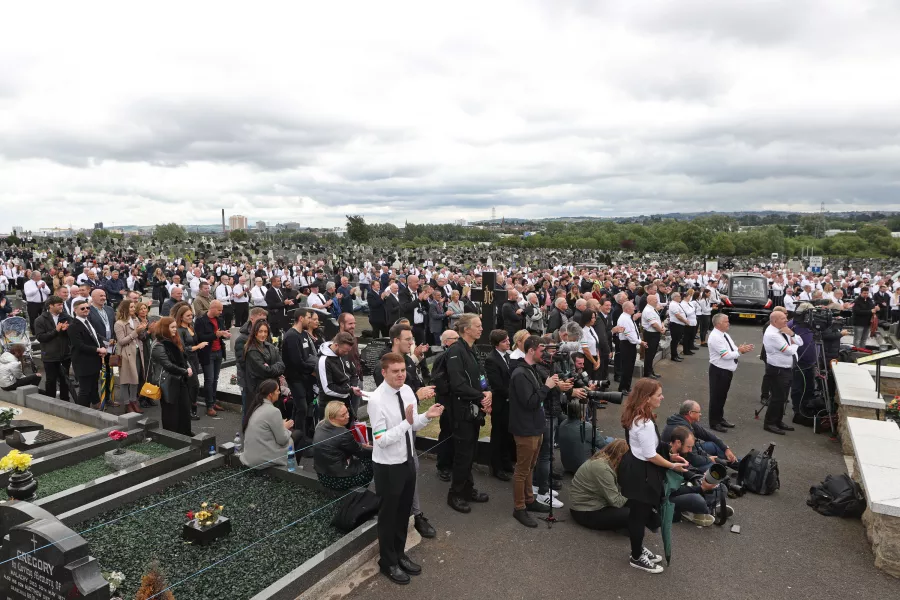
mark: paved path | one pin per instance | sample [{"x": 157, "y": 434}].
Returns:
[{"x": 786, "y": 550}]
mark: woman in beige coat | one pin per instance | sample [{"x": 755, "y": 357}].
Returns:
[{"x": 130, "y": 348}]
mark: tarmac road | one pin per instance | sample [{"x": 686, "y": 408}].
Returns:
[{"x": 785, "y": 550}]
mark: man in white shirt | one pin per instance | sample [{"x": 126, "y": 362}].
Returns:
[
  {"x": 629, "y": 340},
  {"x": 317, "y": 300},
  {"x": 241, "y": 302},
  {"x": 653, "y": 331},
  {"x": 224, "y": 294},
  {"x": 723, "y": 361},
  {"x": 781, "y": 345},
  {"x": 392, "y": 412},
  {"x": 36, "y": 293}
]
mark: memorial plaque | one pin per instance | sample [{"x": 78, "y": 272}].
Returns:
[
  {"x": 370, "y": 357},
  {"x": 45, "y": 560},
  {"x": 481, "y": 352}
]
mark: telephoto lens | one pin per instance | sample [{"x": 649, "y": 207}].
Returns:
[
  {"x": 716, "y": 474},
  {"x": 614, "y": 397}
]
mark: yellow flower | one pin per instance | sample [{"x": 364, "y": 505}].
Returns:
[
  {"x": 15, "y": 460},
  {"x": 203, "y": 505}
]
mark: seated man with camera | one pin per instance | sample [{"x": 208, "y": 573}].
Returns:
[
  {"x": 701, "y": 495},
  {"x": 709, "y": 448}
]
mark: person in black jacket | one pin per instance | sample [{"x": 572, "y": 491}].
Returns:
[
  {"x": 278, "y": 304},
  {"x": 414, "y": 307},
  {"x": 337, "y": 375},
  {"x": 300, "y": 357},
  {"x": 526, "y": 422},
  {"x": 470, "y": 397},
  {"x": 391, "y": 298},
  {"x": 51, "y": 330},
  {"x": 208, "y": 328},
  {"x": 340, "y": 461},
  {"x": 444, "y": 461},
  {"x": 863, "y": 311},
  {"x": 170, "y": 372},
  {"x": 513, "y": 316},
  {"x": 87, "y": 354},
  {"x": 262, "y": 360},
  {"x": 498, "y": 369},
  {"x": 377, "y": 315}
]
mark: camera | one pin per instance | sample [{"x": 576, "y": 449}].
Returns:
[{"x": 819, "y": 319}]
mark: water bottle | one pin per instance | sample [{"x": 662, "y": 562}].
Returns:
[
  {"x": 212, "y": 450},
  {"x": 238, "y": 445},
  {"x": 291, "y": 459}
]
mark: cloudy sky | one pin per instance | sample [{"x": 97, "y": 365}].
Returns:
[{"x": 405, "y": 111}]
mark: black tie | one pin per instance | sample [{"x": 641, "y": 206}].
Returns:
[
  {"x": 409, "y": 453},
  {"x": 727, "y": 341}
]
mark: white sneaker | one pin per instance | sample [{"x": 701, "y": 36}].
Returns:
[
  {"x": 654, "y": 558},
  {"x": 534, "y": 490},
  {"x": 701, "y": 520},
  {"x": 545, "y": 499}
]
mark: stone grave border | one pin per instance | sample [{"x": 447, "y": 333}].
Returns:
[{"x": 28, "y": 396}]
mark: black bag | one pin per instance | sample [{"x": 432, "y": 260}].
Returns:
[
  {"x": 758, "y": 472},
  {"x": 837, "y": 496},
  {"x": 355, "y": 509}
]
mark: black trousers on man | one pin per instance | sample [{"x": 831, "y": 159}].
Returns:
[
  {"x": 780, "y": 379},
  {"x": 445, "y": 442},
  {"x": 465, "y": 444},
  {"x": 34, "y": 310},
  {"x": 227, "y": 316},
  {"x": 300, "y": 410},
  {"x": 629, "y": 357},
  {"x": 677, "y": 333},
  {"x": 652, "y": 338},
  {"x": 57, "y": 371},
  {"x": 241, "y": 313},
  {"x": 89, "y": 389},
  {"x": 395, "y": 485},
  {"x": 719, "y": 384}
]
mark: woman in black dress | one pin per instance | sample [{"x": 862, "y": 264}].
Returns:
[
  {"x": 185, "y": 319},
  {"x": 643, "y": 468}
]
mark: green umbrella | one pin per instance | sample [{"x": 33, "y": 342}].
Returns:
[{"x": 667, "y": 511}]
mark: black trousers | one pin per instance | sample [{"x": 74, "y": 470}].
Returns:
[
  {"x": 298, "y": 394},
  {"x": 639, "y": 516},
  {"x": 57, "y": 371},
  {"x": 241, "y": 312},
  {"x": 604, "y": 519},
  {"x": 687, "y": 338},
  {"x": 176, "y": 416},
  {"x": 379, "y": 329},
  {"x": 89, "y": 389},
  {"x": 705, "y": 323},
  {"x": 629, "y": 356},
  {"x": 502, "y": 444},
  {"x": 227, "y": 316},
  {"x": 465, "y": 444},
  {"x": 677, "y": 334},
  {"x": 780, "y": 379},
  {"x": 32, "y": 379},
  {"x": 617, "y": 357},
  {"x": 652, "y": 338},
  {"x": 603, "y": 371},
  {"x": 419, "y": 334},
  {"x": 719, "y": 384},
  {"x": 34, "y": 309},
  {"x": 395, "y": 485},
  {"x": 445, "y": 449}
]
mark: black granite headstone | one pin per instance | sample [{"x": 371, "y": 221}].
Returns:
[
  {"x": 481, "y": 352},
  {"x": 370, "y": 357},
  {"x": 491, "y": 300},
  {"x": 42, "y": 559}
]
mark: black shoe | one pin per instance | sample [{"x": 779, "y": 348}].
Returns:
[
  {"x": 784, "y": 427},
  {"x": 719, "y": 427},
  {"x": 409, "y": 566},
  {"x": 424, "y": 528},
  {"x": 444, "y": 475},
  {"x": 556, "y": 484},
  {"x": 396, "y": 574},
  {"x": 677, "y": 359},
  {"x": 501, "y": 475},
  {"x": 615, "y": 377},
  {"x": 726, "y": 423},
  {"x": 654, "y": 375},
  {"x": 625, "y": 392},
  {"x": 458, "y": 504},
  {"x": 195, "y": 416},
  {"x": 537, "y": 507},
  {"x": 476, "y": 496},
  {"x": 524, "y": 518},
  {"x": 688, "y": 353},
  {"x": 773, "y": 429}
]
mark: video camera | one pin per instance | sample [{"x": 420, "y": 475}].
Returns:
[
  {"x": 558, "y": 361},
  {"x": 819, "y": 319}
]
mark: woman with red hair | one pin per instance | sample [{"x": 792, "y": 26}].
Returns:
[
  {"x": 643, "y": 468},
  {"x": 171, "y": 372}
]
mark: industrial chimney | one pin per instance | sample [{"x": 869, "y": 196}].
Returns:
[{"x": 223, "y": 222}]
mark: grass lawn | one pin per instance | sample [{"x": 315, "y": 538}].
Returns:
[
  {"x": 434, "y": 428},
  {"x": 257, "y": 505},
  {"x": 88, "y": 470}
]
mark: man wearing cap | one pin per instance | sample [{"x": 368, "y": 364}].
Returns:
[
  {"x": 315, "y": 299},
  {"x": 87, "y": 354}
]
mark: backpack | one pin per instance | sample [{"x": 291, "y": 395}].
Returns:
[
  {"x": 758, "y": 472},
  {"x": 440, "y": 379},
  {"x": 354, "y": 510},
  {"x": 837, "y": 496}
]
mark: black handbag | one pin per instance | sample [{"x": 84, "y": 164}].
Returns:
[{"x": 354, "y": 510}]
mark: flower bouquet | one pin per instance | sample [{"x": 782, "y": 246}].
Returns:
[
  {"x": 22, "y": 484},
  {"x": 892, "y": 410},
  {"x": 7, "y": 415},
  {"x": 206, "y": 524},
  {"x": 114, "y": 578},
  {"x": 119, "y": 437}
]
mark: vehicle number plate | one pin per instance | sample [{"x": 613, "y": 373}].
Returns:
[{"x": 746, "y": 316}]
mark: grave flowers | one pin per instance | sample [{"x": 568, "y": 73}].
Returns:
[
  {"x": 22, "y": 484},
  {"x": 892, "y": 410},
  {"x": 118, "y": 437},
  {"x": 207, "y": 524},
  {"x": 7, "y": 415}
]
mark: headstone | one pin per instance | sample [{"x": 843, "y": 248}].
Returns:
[
  {"x": 370, "y": 357},
  {"x": 42, "y": 559},
  {"x": 491, "y": 300},
  {"x": 481, "y": 352},
  {"x": 397, "y": 264}
]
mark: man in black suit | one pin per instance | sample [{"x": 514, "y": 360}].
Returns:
[
  {"x": 604, "y": 328},
  {"x": 278, "y": 304},
  {"x": 414, "y": 306},
  {"x": 87, "y": 354},
  {"x": 102, "y": 317},
  {"x": 377, "y": 315},
  {"x": 51, "y": 330},
  {"x": 496, "y": 367},
  {"x": 392, "y": 305}
]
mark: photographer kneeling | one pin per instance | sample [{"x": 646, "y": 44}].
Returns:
[
  {"x": 691, "y": 500},
  {"x": 595, "y": 497},
  {"x": 709, "y": 447}
]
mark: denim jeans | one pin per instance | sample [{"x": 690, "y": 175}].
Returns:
[
  {"x": 692, "y": 503},
  {"x": 860, "y": 335},
  {"x": 211, "y": 377},
  {"x": 545, "y": 457}
]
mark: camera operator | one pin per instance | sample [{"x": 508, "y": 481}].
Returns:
[
  {"x": 577, "y": 442},
  {"x": 710, "y": 448},
  {"x": 804, "y": 381},
  {"x": 470, "y": 398},
  {"x": 527, "y": 398},
  {"x": 693, "y": 498}
]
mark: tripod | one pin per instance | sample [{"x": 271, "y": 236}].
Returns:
[
  {"x": 550, "y": 518},
  {"x": 821, "y": 373}
]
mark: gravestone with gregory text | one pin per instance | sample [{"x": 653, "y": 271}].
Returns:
[{"x": 370, "y": 357}]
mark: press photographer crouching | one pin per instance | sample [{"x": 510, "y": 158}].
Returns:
[
  {"x": 340, "y": 461},
  {"x": 697, "y": 498},
  {"x": 709, "y": 447}
]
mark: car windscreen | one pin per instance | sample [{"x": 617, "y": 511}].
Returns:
[{"x": 749, "y": 287}]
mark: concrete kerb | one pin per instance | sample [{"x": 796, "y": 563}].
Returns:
[{"x": 68, "y": 410}]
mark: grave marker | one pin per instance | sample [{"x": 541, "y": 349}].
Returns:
[
  {"x": 370, "y": 357},
  {"x": 491, "y": 300}
]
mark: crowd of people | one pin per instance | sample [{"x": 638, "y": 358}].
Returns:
[{"x": 92, "y": 313}]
